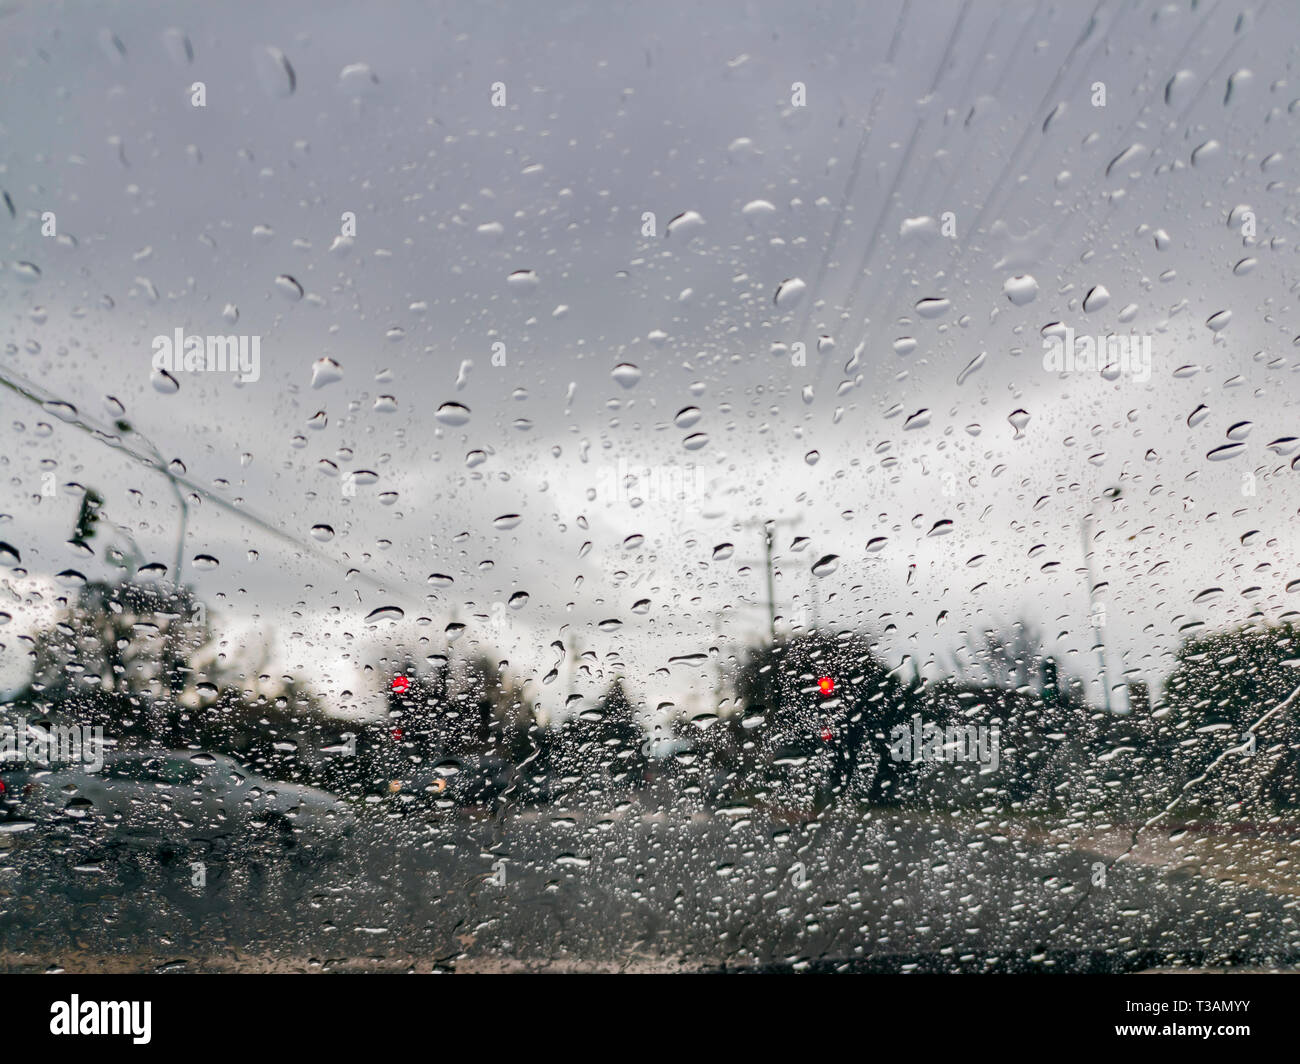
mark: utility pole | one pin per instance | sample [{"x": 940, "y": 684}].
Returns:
[
  {"x": 165, "y": 470},
  {"x": 769, "y": 526},
  {"x": 1098, "y": 640},
  {"x": 718, "y": 640}
]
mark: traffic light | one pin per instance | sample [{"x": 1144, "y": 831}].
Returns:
[{"x": 87, "y": 516}]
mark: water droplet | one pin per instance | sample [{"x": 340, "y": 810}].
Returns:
[
  {"x": 163, "y": 382},
  {"x": 61, "y": 410},
  {"x": 112, "y": 47},
  {"x": 274, "y": 72},
  {"x": 685, "y": 224},
  {"x": 518, "y": 600},
  {"x": 507, "y": 521},
  {"x": 789, "y": 292},
  {"x": 696, "y": 441},
  {"x": 1203, "y": 153},
  {"x": 1096, "y": 299},
  {"x": 723, "y": 551},
  {"x": 922, "y": 225},
  {"x": 179, "y": 48},
  {"x": 452, "y": 414},
  {"x": 288, "y": 287},
  {"x": 523, "y": 279},
  {"x": 1236, "y": 83},
  {"x": 1019, "y": 419},
  {"x": 322, "y": 533},
  {"x": 972, "y": 366},
  {"x": 1178, "y": 89},
  {"x": 1226, "y": 452},
  {"x": 205, "y": 562},
  {"x": 826, "y": 565},
  {"x": 1125, "y": 158},
  {"x": 571, "y": 860},
  {"x": 325, "y": 371},
  {"x": 386, "y": 613},
  {"x": 1218, "y": 322},
  {"x": 1021, "y": 289},
  {"x": 357, "y": 80},
  {"x": 626, "y": 374},
  {"x": 933, "y": 307}
]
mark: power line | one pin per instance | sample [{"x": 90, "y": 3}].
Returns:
[{"x": 106, "y": 436}]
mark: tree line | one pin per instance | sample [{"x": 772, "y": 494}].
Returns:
[{"x": 803, "y": 723}]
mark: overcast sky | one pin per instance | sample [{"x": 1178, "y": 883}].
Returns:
[{"x": 900, "y": 189}]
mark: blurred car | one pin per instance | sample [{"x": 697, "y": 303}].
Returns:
[
  {"x": 467, "y": 781},
  {"x": 157, "y": 800}
]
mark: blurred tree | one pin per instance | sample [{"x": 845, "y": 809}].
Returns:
[
  {"x": 140, "y": 661},
  {"x": 604, "y": 741},
  {"x": 133, "y": 658},
  {"x": 1221, "y": 685},
  {"x": 810, "y": 742}
]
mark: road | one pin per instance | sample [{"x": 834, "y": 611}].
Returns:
[{"x": 634, "y": 890}]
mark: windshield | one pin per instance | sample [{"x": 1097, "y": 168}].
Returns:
[{"x": 799, "y": 487}]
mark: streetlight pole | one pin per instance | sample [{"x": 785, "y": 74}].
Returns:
[
  {"x": 769, "y": 526},
  {"x": 1098, "y": 640}
]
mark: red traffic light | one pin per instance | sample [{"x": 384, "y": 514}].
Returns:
[
  {"x": 826, "y": 685},
  {"x": 401, "y": 684}
]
